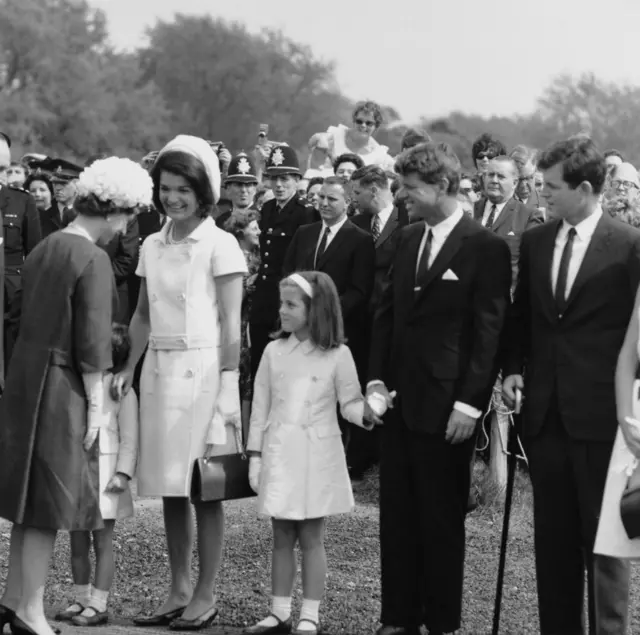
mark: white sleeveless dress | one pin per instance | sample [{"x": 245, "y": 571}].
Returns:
[{"x": 611, "y": 539}]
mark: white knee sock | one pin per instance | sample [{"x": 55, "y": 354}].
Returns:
[
  {"x": 82, "y": 594},
  {"x": 281, "y": 608},
  {"x": 310, "y": 611},
  {"x": 99, "y": 600}
]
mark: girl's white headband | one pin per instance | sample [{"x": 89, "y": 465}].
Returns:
[{"x": 302, "y": 283}]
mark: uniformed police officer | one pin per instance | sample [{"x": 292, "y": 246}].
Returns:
[
  {"x": 63, "y": 175},
  {"x": 280, "y": 219},
  {"x": 241, "y": 185},
  {"x": 21, "y": 233}
]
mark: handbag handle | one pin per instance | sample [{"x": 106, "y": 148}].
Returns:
[{"x": 237, "y": 427}]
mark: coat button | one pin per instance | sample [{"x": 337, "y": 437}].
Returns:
[
  {"x": 183, "y": 341},
  {"x": 189, "y": 373},
  {"x": 266, "y": 265},
  {"x": 268, "y": 242},
  {"x": 264, "y": 277},
  {"x": 182, "y": 297}
]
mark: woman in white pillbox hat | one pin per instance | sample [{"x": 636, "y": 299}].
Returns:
[{"x": 188, "y": 314}]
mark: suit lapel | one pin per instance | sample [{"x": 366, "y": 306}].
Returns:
[
  {"x": 336, "y": 241},
  {"x": 506, "y": 213},
  {"x": 478, "y": 209},
  {"x": 447, "y": 252},
  {"x": 544, "y": 263},
  {"x": 389, "y": 227},
  {"x": 592, "y": 259}
]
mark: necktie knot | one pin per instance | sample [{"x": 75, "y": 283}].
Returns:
[{"x": 375, "y": 227}]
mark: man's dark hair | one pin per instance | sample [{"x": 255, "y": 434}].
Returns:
[
  {"x": 613, "y": 153},
  {"x": 371, "y": 175},
  {"x": 489, "y": 144},
  {"x": 580, "y": 161},
  {"x": 431, "y": 162}
]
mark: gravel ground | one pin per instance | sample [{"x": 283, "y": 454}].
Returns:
[{"x": 353, "y": 590}]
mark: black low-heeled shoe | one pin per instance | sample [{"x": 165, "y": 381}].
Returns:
[
  {"x": 164, "y": 619},
  {"x": 197, "y": 624},
  {"x": 6, "y": 616},
  {"x": 18, "y": 627}
]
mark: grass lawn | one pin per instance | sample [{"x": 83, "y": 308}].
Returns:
[{"x": 353, "y": 590}]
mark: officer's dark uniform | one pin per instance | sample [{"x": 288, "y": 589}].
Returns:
[
  {"x": 21, "y": 232},
  {"x": 278, "y": 227},
  {"x": 242, "y": 169}
]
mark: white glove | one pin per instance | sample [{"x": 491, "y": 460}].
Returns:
[
  {"x": 94, "y": 391},
  {"x": 228, "y": 403},
  {"x": 255, "y": 467}
]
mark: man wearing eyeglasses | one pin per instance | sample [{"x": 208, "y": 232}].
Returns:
[{"x": 625, "y": 182}]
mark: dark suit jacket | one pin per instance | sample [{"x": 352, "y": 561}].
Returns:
[
  {"x": 123, "y": 250},
  {"x": 385, "y": 248},
  {"x": 513, "y": 221},
  {"x": 441, "y": 345},
  {"x": 1, "y": 310},
  {"x": 572, "y": 359},
  {"x": 348, "y": 260}
]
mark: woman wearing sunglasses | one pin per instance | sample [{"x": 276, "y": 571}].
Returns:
[{"x": 357, "y": 139}]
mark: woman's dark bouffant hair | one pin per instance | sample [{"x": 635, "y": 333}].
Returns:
[
  {"x": 324, "y": 312},
  {"x": 43, "y": 178},
  {"x": 120, "y": 346},
  {"x": 238, "y": 222},
  {"x": 191, "y": 169}
]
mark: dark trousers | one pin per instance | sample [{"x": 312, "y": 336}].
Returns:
[
  {"x": 568, "y": 477},
  {"x": 12, "y": 285},
  {"x": 424, "y": 484},
  {"x": 260, "y": 335}
]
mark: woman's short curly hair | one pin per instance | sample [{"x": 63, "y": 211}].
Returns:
[
  {"x": 238, "y": 222},
  {"x": 371, "y": 108},
  {"x": 348, "y": 157}
]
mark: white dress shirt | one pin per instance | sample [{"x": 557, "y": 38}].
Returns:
[
  {"x": 487, "y": 211},
  {"x": 584, "y": 232},
  {"x": 333, "y": 230},
  {"x": 384, "y": 216},
  {"x": 440, "y": 233}
]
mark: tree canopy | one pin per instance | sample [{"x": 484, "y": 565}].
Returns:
[{"x": 65, "y": 90}]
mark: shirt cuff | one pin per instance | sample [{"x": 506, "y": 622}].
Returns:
[
  {"x": 375, "y": 382},
  {"x": 465, "y": 409}
]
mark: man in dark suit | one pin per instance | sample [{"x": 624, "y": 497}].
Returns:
[
  {"x": 280, "y": 218},
  {"x": 379, "y": 217},
  {"x": 346, "y": 253},
  {"x": 435, "y": 341},
  {"x": 499, "y": 211},
  {"x": 578, "y": 279}
]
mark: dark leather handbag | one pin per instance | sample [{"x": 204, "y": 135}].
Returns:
[{"x": 222, "y": 478}]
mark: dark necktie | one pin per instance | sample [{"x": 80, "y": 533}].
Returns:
[
  {"x": 492, "y": 216},
  {"x": 322, "y": 246},
  {"x": 375, "y": 227},
  {"x": 423, "y": 265},
  {"x": 561, "y": 284}
]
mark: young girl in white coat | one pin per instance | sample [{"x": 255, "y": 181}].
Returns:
[
  {"x": 117, "y": 438},
  {"x": 298, "y": 466}
]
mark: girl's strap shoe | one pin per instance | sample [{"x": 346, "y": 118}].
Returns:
[{"x": 90, "y": 617}]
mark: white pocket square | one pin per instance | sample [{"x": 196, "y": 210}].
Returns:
[
  {"x": 449, "y": 275},
  {"x": 511, "y": 234}
]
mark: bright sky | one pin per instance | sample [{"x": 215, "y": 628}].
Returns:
[{"x": 429, "y": 57}]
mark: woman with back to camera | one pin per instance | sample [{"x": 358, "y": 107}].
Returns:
[
  {"x": 52, "y": 407},
  {"x": 188, "y": 313}
]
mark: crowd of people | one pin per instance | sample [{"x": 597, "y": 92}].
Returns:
[{"x": 361, "y": 310}]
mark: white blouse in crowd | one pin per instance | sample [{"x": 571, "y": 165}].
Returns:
[{"x": 378, "y": 155}]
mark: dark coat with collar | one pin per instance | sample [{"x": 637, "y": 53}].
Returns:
[
  {"x": 349, "y": 260},
  {"x": 573, "y": 355},
  {"x": 514, "y": 219},
  {"x": 441, "y": 344},
  {"x": 277, "y": 231},
  {"x": 385, "y": 248}
]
